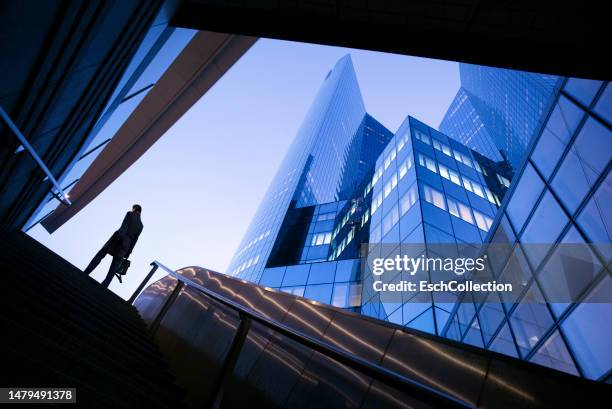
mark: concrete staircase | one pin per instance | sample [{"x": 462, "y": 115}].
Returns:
[{"x": 60, "y": 328}]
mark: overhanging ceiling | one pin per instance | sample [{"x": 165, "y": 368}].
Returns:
[{"x": 198, "y": 67}]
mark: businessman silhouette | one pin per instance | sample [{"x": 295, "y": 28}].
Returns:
[{"x": 120, "y": 245}]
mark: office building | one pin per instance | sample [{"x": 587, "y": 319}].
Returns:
[
  {"x": 496, "y": 111},
  {"x": 428, "y": 189},
  {"x": 336, "y": 145},
  {"x": 421, "y": 186}
]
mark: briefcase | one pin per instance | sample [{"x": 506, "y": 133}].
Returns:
[{"x": 123, "y": 268}]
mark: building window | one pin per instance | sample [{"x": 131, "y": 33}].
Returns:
[
  {"x": 390, "y": 185},
  {"x": 452, "y": 207},
  {"x": 505, "y": 182},
  {"x": 409, "y": 199},
  {"x": 467, "y": 183},
  {"x": 443, "y": 171},
  {"x": 377, "y": 176},
  {"x": 320, "y": 239},
  {"x": 326, "y": 216},
  {"x": 429, "y": 163},
  {"x": 473, "y": 187},
  {"x": 443, "y": 148},
  {"x": 376, "y": 202},
  {"x": 422, "y": 137},
  {"x": 483, "y": 222},
  {"x": 491, "y": 197},
  {"x": 365, "y": 218},
  {"x": 405, "y": 167},
  {"x": 390, "y": 158},
  {"x": 460, "y": 157},
  {"x": 434, "y": 197},
  {"x": 465, "y": 213},
  {"x": 390, "y": 220}
]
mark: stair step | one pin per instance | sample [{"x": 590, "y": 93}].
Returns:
[
  {"x": 32, "y": 284},
  {"x": 128, "y": 381},
  {"x": 62, "y": 272},
  {"x": 66, "y": 333}
]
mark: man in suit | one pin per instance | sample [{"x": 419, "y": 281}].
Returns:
[{"x": 120, "y": 245}]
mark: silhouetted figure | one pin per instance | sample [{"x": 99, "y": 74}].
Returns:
[{"x": 120, "y": 245}]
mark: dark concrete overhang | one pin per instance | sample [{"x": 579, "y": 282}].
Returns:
[
  {"x": 206, "y": 58},
  {"x": 542, "y": 36}
]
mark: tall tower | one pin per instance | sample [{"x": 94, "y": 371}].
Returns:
[{"x": 317, "y": 169}]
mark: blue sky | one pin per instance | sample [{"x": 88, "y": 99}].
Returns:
[{"x": 201, "y": 183}]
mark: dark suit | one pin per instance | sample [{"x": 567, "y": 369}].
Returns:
[{"x": 120, "y": 245}]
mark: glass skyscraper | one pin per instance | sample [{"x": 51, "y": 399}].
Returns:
[
  {"x": 336, "y": 144},
  {"x": 496, "y": 111},
  {"x": 347, "y": 181}
]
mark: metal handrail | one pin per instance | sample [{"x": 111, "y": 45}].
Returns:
[
  {"x": 63, "y": 197},
  {"x": 399, "y": 381}
]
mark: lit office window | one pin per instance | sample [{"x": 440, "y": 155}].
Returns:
[
  {"x": 377, "y": 176},
  {"x": 354, "y": 295},
  {"x": 457, "y": 156},
  {"x": 466, "y": 161},
  {"x": 427, "y": 162},
  {"x": 443, "y": 171},
  {"x": 452, "y": 207},
  {"x": 376, "y": 202},
  {"x": 400, "y": 144},
  {"x": 365, "y": 218},
  {"x": 390, "y": 158},
  {"x": 320, "y": 239},
  {"x": 405, "y": 167},
  {"x": 446, "y": 150},
  {"x": 465, "y": 213},
  {"x": 467, "y": 183},
  {"x": 390, "y": 185},
  {"x": 409, "y": 199},
  {"x": 434, "y": 197},
  {"x": 490, "y": 196},
  {"x": 454, "y": 177},
  {"x": 483, "y": 222},
  {"x": 478, "y": 190},
  {"x": 367, "y": 189},
  {"x": 422, "y": 137},
  {"x": 390, "y": 220},
  {"x": 460, "y": 157},
  {"x": 505, "y": 182}
]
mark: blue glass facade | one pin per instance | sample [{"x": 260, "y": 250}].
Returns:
[
  {"x": 420, "y": 186},
  {"x": 561, "y": 195},
  {"x": 427, "y": 188},
  {"x": 464, "y": 122},
  {"x": 498, "y": 110},
  {"x": 319, "y": 168}
]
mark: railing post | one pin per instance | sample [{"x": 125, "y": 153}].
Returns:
[
  {"x": 164, "y": 309},
  {"x": 228, "y": 365},
  {"x": 142, "y": 285}
]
